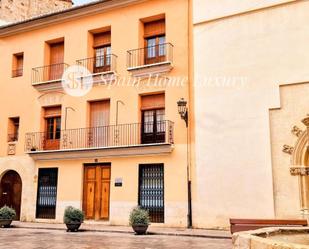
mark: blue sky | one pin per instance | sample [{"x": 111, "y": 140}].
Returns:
[{"x": 76, "y": 2}]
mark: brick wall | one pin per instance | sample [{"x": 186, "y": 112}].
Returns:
[{"x": 17, "y": 10}]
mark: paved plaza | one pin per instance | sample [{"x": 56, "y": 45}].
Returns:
[{"x": 16, "y": 238}]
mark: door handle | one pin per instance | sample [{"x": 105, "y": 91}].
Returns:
[{"x": 4, "y": 193}]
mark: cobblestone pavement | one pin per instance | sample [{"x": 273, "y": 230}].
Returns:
[{"x": 54, "y": 239}]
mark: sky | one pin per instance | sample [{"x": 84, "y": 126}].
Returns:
[{"x": 77, "y": 2}]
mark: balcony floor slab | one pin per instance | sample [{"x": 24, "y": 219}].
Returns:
[{"x": 138, "y": 150}]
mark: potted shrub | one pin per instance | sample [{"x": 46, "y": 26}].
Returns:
[
  {"x": 7, "y": 215},
  {"x": 73, "y": 218},
  {"x": 139, "y": 220}
]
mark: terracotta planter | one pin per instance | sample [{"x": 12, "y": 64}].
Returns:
[
  {"x": 73, "y": 227},
  {"x": 140, "y": 229},
  {"x": 5, "y": 223}
]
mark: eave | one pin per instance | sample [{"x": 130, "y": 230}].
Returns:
[{"x": 64, "y": 16}]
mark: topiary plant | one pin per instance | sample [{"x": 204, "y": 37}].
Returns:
[
  {"x": 139, "y": 216},
  {"x": 73, "y": 215},
  {"x": 7, "y": 213}
]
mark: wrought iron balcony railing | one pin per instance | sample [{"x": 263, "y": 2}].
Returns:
[
  {"x": 151, "y": 55},
  {"x": 48, "y": 73},
  {"x": 99, "y": 64},
  {"x": 124, "y": 135}
]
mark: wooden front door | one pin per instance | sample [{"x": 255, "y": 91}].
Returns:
[
  {"x": 10, "y": 191},
  {"x": 97, "y": 191},
  {"x": 56, "y": 61}
]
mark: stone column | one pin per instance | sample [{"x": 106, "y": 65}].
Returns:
[{"x": 303, "y": 176}]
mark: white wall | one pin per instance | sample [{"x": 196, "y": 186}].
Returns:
[{"x": 233, "y": 151}]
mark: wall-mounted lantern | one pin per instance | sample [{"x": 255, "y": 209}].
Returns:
[{"x": 183, "y": 110}]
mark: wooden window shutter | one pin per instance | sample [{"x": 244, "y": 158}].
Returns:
[
  {"x": 52, "y": 111},
  {"x": 154, "y": 101},
  {"x": 102, "y": 39},
  {"x": 19, "y": 62},
  {"x": 154, "y": 28},
  {"x": 56, "y": 53},
  {"x": 99, "y": 113}
]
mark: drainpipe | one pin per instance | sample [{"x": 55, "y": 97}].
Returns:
[
  {"x": 117, "y": 109},
  {"x": 189, "y": 179}
]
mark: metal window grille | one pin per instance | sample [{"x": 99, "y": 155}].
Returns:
[
  {"x": 47, "y": 193},
  {"x": 151, "y": 191}
]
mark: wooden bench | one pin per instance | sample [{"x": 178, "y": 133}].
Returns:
[{"x": 239, "y": 225}]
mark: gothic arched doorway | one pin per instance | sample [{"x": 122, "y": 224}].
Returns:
[{"x": 10, "y": 191}]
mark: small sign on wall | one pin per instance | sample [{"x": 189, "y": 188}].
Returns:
[{"x": 118, "y": 182}]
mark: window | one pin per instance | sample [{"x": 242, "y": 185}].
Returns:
[
  {"x": 47, "y": 193},
  {"x": 102, "y": 52},
  {"x": 52, "y": 119},
  {"x": 153, "y": 119},
  {"x": 13, "y": 129},
  {"x": 18, "y": 63},
  {"x": 151, "y": 190},
  {"x": 154, "y": 34}
]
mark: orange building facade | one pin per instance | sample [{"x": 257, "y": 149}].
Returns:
[{"x": 120, "y": 145}]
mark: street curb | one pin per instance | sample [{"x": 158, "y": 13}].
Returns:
[{"x": 127, "y": 232}]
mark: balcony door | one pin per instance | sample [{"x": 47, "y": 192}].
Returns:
[
  {"x": 153, "y": 119},
  {"x": 155, "y": 48},
  {"x": 153, "y": 126},
  {"x": 52, "y": 119},
  {"x": 97, "y": 191},
  {"x": 102, "y": 52},
  {"x": 99, "y": 123},
  {"x": 102, "y": 62},
  {"x": 56, "y": 67}
]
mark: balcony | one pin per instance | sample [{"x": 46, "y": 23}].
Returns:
[
  {"x": 102, "y": 68},
  {"x": 152, "y": 60},
  {"x": 104, "y": 141},
  {"x": 48, "y": 77}
]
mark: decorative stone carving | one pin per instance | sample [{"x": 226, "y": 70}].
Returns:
[
  {"x": 51, "y": 98},
  {"x": 302, "y": 171},
  {"x": 288, "y": 149},
  {"x": 296, "y": 131},
  {"x": 11, "y": 149},
  {"x": 306, "y": 121}
]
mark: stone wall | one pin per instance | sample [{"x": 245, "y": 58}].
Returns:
[
  {"x": 25, "y": 167},
  {"x": 18, "y": 10},
  {"x": 272, "y": 238},
  {"x": 241, "y": 171}
]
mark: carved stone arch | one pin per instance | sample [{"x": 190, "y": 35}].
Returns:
[
  {"x": 299, "y": 155},
  {"x": 300, "y": 166}
]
